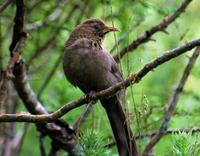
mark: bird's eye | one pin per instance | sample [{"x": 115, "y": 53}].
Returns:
[{"x": 95, "y": 27}]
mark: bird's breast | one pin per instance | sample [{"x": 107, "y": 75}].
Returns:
[{"x": 87, "y": 67}]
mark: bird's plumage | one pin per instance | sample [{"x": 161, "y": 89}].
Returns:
[
  {"x": 93, "y": 68},
  {"x": 90, "y": 67}
]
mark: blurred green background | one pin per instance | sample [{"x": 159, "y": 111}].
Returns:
[{"x": 150, "y": 96}]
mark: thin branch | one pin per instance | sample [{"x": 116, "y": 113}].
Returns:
[
  {"x": 84, "y": 115},
  {"x": 4, "y": 5},
  {"x": 22, "y": 137},
  {"x": 19, "y": 23},
  {"x": 42, "y": 149},
  {"x": 1, "y": 47},
  {"x": 170, "y": 131},
  {"x": 42, "y": 48},
  {"x": 173, "y": 102},
  {"x": 51, "y": 18},
  {"x": 53, "y": 70},
  {"x": 35, "y": 5},
  {"x": 124, "y": 36},
  {"x": 132, "y": 79},
  {"x": 3, "y": 90},
  {"x": 148, "y": 33},
  {"x": 62, "y": 135},
  {"x": 53, "y": 37},
  {"x": 15, "y": 55},
  {"x": 49, "y": 76},
  {"x": 83, "y": 8}
]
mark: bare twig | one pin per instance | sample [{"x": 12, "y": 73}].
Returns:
[
  {"x": 22, "y": 137},
  {"x": 49, "y": 76},
  {"x": 83, "y": 8},
  {"x": 3, "y": 96},
  {"x": 148, "y": 33},
  {"x": 84, "y": 115},
  {"x": 169, "y": 131},
  {"x": 15, "y": 56},
  {"x": 51, "y": 18},
  {"x": 132, "y": 79},
  {"x": 12, "y": 142},
  {"x": 41, "y": 48},
  {"x": 42, "y": 149},
  {"x": 123, "y": 36},
  {"x": 4, "y": 5},
  {"x": 53, "y": 70},
  {"x": 19, "y": 23},
  {"x": 62, "y": 135},
  {"x": 1, "y": 48},
  {"x": 173, "y": 102},
  {"x": 9, "y": 146},
  {"x": 3, "y": 90},
  {"x": 35, "y": 5},
  {"x": 53, "y": 37}
]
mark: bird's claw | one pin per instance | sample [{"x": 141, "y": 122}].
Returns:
[{"x": 90, "y": 95}]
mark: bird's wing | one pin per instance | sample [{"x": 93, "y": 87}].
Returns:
[
  {"x": 71, "y": 59},
  {"x": 116, "y": 71},
  {"x": 89, "y": 66}
]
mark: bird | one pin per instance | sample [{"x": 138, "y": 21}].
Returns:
[{"x": 90, "y": 67}]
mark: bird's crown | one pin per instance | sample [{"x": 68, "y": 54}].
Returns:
[{"x": 93, "y": 29}]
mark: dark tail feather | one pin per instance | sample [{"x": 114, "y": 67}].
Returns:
[{"x": 125, "y": 141}]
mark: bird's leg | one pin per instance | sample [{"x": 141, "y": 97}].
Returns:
[
  {"x": 83, "y": 116},
  {"x": 91, "y": 96}
]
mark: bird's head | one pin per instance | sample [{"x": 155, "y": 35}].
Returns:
[{"x": 93, "y": 29}]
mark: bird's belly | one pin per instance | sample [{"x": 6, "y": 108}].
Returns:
[{"x": 87, "y": 73}]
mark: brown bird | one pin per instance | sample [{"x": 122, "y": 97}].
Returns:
[{"x": 90, "y": 67}]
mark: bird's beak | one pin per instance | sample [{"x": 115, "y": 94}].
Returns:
[{"x": 109, "y": 29}]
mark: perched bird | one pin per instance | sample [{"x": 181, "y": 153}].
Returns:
[{"x": 90, "y": 67}]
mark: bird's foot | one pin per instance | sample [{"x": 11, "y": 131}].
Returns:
[{"x": 91, "y": 96}]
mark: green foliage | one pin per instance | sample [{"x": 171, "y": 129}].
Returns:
[
  {"x": 186, "y": 144},
  {"x": 92, "y": 143},
  {"x": 150, "y": 96}
]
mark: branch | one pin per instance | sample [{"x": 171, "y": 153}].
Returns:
[
  {"x": 132, "y": 79},
  {"x": 4, "y": 5},
  {"x": 169, "y": 131},
  {"x": 42, "y": 48},
  {"x": 51, "y": 18},
  {"x": 3, "y": 91},
  {"x": 15, "y": 55},
  {"x": 53, "y": 70},
  {"x": 19, "y": 23},
  {"x": 148, "y": 33},
  {"x": 57, "y": 131},
  {"x": 62, "y": 135},
  {"x": 53, "y": 37},
  {"x": 173, "y": 102},
  {"x": 83, "y": 8},
  {"x": 124, "y": 36},
  {"x": 50, "y": 75},
  {"x": 22, "y": 138},
  {"x": 84, "y": 115}
]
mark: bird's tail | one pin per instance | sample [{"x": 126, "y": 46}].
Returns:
[{"x": 124, "y": 139}]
